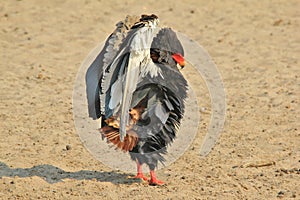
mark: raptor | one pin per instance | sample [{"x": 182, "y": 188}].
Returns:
[{"x": 135, "y": 87}]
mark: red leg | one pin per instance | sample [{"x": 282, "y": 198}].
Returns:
[
  {"x": 140, "y": 172},
  {"x": 154, "y": 180}
]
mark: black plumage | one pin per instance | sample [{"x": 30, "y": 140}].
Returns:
[{"x": 134, "y": 84}]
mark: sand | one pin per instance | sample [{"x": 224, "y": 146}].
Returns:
[{"x": 255, "y": 45}]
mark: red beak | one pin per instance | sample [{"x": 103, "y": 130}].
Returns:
[{"x": 179, "y": 59}]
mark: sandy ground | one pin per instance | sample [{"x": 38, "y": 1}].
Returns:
[{"x": 255, "y": 45}]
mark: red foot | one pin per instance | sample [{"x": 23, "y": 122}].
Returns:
[
  {"x": 155, "y": 182},
  {"x": 141, "y": 176}
]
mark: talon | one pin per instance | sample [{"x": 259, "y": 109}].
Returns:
[
  {"x": 141, "y": 176},
  {"x": 155, "y": 182}
]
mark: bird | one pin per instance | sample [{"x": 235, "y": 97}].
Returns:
[{"x": 135, "y": 87}]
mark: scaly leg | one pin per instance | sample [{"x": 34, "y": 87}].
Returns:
[
  {"x": 140, "y": 172},
  {"x": 154, "y": 180}
]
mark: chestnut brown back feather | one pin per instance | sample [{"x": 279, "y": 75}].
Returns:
[{"x": 113, "y": 136}]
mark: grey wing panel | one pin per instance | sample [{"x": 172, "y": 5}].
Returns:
[
  {"x": 92, "y": 78},
  {"x": 96, "y": 73}
]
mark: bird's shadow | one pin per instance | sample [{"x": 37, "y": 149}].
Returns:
[{"x": 53, "y": 174}]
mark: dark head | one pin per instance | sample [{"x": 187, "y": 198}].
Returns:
[{"x": 166, "y": 48}]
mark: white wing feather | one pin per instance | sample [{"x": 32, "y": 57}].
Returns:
[{"x": 139, "y": 60}]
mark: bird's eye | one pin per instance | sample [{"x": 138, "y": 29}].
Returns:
[{"x": 154, "y": 56}]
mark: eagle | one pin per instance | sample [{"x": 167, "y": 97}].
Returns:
[{"x": 135, "y": 87}]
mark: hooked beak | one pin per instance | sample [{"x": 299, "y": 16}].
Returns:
[{"x": 179, "y": 59}]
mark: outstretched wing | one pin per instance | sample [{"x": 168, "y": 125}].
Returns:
[{"x": 97, "y": 70}]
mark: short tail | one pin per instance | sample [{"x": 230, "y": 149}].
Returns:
[{"x": 113, "y": 136}]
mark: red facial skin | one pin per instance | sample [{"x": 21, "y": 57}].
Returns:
[{"x": 179, "y": 59}]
